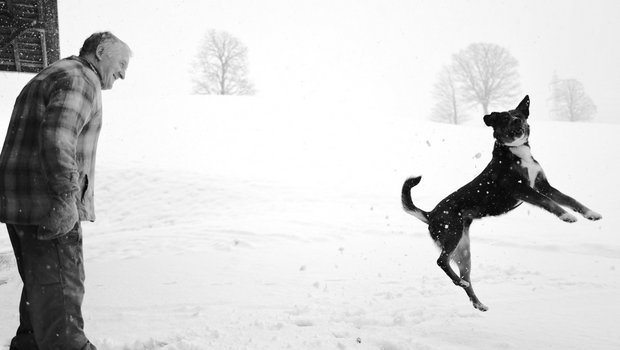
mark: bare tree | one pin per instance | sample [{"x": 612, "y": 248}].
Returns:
[
  {"x": 486, "y": 74},
  {"x": 447, "y": 104},
  {"x": 569, "y": 100},
  {"x": 221, "y": 66}
]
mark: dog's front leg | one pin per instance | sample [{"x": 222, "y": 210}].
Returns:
[
  {"x": 530, "y": 195},
  {"x": 568, "y": 201}
]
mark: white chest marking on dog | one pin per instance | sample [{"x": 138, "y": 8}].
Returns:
[{"x": 527, "y": 162}]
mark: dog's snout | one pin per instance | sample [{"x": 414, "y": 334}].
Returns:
[
  {"x": 516, "y": 123},
  {"x": 517, "y": 126}
]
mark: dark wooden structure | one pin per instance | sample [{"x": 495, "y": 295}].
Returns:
[{"x": 28, "y": 35}]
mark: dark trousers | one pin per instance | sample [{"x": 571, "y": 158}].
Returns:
[{"x": 50, "y": 310}]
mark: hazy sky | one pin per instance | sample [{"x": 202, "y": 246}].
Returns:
[{"x": 377, "y": 53}]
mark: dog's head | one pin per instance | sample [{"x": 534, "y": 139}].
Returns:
[{"x": 511, "y": 128}]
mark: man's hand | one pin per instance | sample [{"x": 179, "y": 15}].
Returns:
[{"x": 61, "y": 218}]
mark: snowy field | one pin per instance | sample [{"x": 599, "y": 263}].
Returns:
[{"x": 241, "y": 223}]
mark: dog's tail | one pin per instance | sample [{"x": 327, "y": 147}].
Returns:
[{"x": 408, "y": 202}]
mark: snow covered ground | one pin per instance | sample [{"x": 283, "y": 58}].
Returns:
[{"x": 241, "y": 223}]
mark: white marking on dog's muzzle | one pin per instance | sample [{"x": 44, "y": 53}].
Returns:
[{"x": 517, "y": 142}]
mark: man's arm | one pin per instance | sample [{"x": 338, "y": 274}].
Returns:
[{"x": 67, "y": 111}]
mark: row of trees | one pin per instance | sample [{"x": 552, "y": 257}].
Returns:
[
  {"x": 485, "y": 75},
  {"x": 482, "y": 75}
]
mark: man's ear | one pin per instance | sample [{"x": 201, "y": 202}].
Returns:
[
  {"x": 99, "y": 52},
  {"x": 524, "y": 106},
  {"x": 489, "y": 119}
]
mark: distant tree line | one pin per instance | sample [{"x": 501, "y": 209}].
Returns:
[
  {"x": 485, "y": 75},
  {"x": 482, "y": 76}
]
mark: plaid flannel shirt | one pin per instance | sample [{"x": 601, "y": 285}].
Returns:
[{"x": 51, "y": 143}]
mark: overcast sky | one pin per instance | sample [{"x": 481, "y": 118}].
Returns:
[{"x": 382, "y": 53}]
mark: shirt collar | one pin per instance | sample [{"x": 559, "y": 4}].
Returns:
[{"x": 88, "y": 64}]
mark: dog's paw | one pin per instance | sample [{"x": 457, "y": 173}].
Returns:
[
  {"x": 462, "y": 283},
  {"x": 592, "y": 215},
  {"x": 480, "y": 306},
  {"x": 568, "y": 217}
]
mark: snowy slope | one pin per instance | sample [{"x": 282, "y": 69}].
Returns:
[{"x": 228, "y": 223}]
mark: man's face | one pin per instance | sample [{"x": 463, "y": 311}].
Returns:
[{"x": 113, "y": 62}]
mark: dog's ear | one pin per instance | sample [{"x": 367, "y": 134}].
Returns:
[
  {"x": 524, "y": 106},
  {"x": 489, "y": 119}
]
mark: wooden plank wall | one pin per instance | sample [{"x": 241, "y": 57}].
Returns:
[{"x": 29, "y": 38}]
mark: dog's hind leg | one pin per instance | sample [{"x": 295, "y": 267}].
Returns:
[
  {"x": 447, "y": 236},
  {"x": 462, "y": 257}
]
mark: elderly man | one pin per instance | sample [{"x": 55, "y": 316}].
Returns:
[{"x": 46, "y": 188}]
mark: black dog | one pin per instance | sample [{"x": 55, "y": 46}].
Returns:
[{"x": 512, "y": 177}]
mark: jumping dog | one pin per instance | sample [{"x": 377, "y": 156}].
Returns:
[{"x": 512, "y": 177}]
